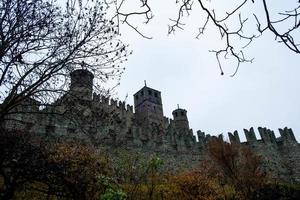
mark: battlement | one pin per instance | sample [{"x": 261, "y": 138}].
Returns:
[
  {"x": 160, "y": 134},
  {"x": 267, "y": 136},
  {"x": 111, "y": 103},
  {"x": 234, "y": 138}
]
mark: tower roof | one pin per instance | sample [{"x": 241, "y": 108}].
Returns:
[
  {"x": 81, "y": 72},
  {"x": 146, "y": 88},
  {"x": 179, "y": 109}
]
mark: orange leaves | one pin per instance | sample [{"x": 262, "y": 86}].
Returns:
[
  {"x": 240, "y": 166},
  {"x": 73, "y": 155},
  {"x": 203, "y": 183},
  {"x": 78, "y": 168},
  {"x": 196, "y": 185}
]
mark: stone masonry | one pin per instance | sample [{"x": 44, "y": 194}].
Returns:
[{"x": 113, "y": 126}]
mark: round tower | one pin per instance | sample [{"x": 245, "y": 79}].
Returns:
[
  {"x": 180, "y": 119},
  {"x": 82, "y": 84}
]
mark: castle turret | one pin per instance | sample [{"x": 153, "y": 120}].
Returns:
[
  {"x": 180, "y": 118},
  {"x": 81, "y": 84},
  {"x": 148, "y": 106}
]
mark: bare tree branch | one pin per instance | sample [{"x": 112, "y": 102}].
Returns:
[
  {"x": 42, "y": 43},
  {"x": 215, "y": 18}
]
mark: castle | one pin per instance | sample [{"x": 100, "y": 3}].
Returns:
[{"x": 112, "y": 125}]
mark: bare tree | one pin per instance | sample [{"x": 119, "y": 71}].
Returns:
[
  {"x": 125, "y": 17},
  {"x": 233, "y": 20},
  {"x": 41, "y": 43}
]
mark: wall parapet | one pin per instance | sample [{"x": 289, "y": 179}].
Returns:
[{"x": 267, "y": 136}]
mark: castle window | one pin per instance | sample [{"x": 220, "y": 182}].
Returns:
[
  {"x": 182, "y": 113},
  {"x": 137, "y": 97},
  {"x": 142, "y": 93},
  {"x": 176, "y": 115},
  {"x": 150, "y": 92},
  {"x": 155, "y": 94}
]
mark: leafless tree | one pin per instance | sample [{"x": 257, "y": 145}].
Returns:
[
  {"x": 124, "y": 16},
  {"x": 41, "y": 43},
  {"x": 233, "y": 22}
]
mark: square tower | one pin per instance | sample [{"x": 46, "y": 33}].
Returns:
[{"x": 148, "y": 106}]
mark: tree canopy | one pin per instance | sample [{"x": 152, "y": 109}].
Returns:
[{"x": 42, "y": 42}]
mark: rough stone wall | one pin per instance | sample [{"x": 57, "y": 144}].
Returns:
[
  {"x": 112, "y": 125},
  {"x": 108, "y": 124},
  {"x": 281, "y": 156}
]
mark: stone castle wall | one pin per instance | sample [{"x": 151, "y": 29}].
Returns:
[{"x": 113, "y": 125}]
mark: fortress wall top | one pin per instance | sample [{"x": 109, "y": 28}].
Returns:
[
  {"x": 166, "y": 121},
  {"x": 250, "y": 135},
  {"x": 267, "y": 136},
  {"x": 234, "y": 138},
  {"x": 129, "y": 108},
  {"x": 287, "y": 135},
  {"x": 112, "y": 104}
]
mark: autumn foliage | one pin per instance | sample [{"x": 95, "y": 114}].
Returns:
[
  {"x": 36, "y": 168},
  {"x": 32, "y": 167},
  {"x": 239, "y": 165}
]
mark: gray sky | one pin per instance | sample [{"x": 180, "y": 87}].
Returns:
[{"x": 264, "y": 93}]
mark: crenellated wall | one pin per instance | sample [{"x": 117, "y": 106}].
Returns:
[
  {"x": 111, "y": 124},
  {"x": 281, "y": 155}
]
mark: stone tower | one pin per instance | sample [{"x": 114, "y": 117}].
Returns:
[
  {"x": 81, "y": 84},
  {"x": 148, "y": 106},
  {"x": 180, "y": 119}
]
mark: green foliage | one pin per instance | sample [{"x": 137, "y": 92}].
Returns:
[
  {"x": 111, "y": 189},
  {"x": 155, "y": 162},
  {"x": 112, "y": 194}
]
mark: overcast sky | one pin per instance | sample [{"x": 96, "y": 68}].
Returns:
[{"x": 264, "y": 93}]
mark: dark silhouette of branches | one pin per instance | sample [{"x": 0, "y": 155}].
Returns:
[
  {"x": 42, "y": 43},
  {"x": 284, "y": 29},
  {"x": 124, "y": 17},
  {"x": 228, "y": 34}
]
